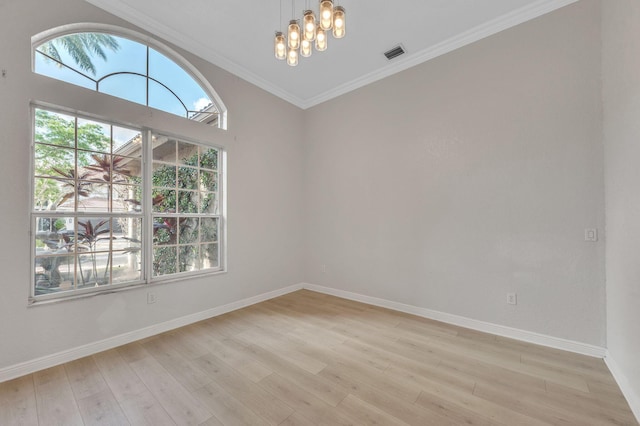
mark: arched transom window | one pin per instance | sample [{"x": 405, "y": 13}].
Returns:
[{"x": 119, "y": 65}]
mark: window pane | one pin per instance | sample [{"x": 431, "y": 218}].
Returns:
[
  {"x": 209, "y": 256},
  {"x": 127, "y": 142},
  {"x": 187, "y": 154},
  {"x": 126, "y": 86},
  {"x": 49, "y": 193},
  {"x": 127, "y": 266},
  {"x": 127, "y": 234},
  {"x": 93, "y": 269},
  {"x": 188, "y": 201},
  {"x": 54, "y": 161},
  {"x": 161, "y": 98},
  {"x": 54, "y": 274},
  {"x": 188, "y": 229},
  {"x": 126, "y": 198},
  {"x": 131, "y": 56},
  {"x": 164, "y": 201},
  {"x": 46, "y": 66},
  {"x": 164, "y": 149},
  {"x": 187, "y": 178},
  {"x": 209, "y": 158},
  {"x": 165, "y": 230},
  {"x": 94, "y": 234},
  {"x": 164, "y": 260},
  {"x": 94, "y": 136},
  {"x": 174, "y": 76},
  {"x": 188, "y": 259},
  {"x": 55, "y": 128},
  {"x": 209, "y": 229},
  {"x": 93, "y": 197},
  {"x": 53, "y": 236},
  {"x": 164, "y": 176},
  {"x": 208, "y": 181},
  {"x": 209, "y": 202},
  {"x": 126, "y": 170}
]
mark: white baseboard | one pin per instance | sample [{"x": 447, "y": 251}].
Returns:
[
  {"x": 500, "y": 330},
  {"x": 48, "y": 361},
  {"x": 625, "y": 386}
]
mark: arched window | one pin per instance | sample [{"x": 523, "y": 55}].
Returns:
[
  {"x": 127, "y": 65},
  {"x": 114, "y": 204}
]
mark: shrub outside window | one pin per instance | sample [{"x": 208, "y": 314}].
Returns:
[{"x": 185, "y": 206}]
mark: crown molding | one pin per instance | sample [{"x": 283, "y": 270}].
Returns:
[
  {"x": 509, "y": 20},
  {"x": 196, "y": 47},
  {"x": 504, "y": 22}
]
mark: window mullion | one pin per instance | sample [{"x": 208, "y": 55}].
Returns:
[{"x": 147, "y": 206}]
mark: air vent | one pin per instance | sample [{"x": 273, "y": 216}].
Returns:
[{"x": 395, "y": 52}]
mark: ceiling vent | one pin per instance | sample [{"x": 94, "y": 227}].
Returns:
[{"x": 395, "y": 52}]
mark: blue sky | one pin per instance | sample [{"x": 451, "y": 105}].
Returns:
[{"x": 132, "y": 57}]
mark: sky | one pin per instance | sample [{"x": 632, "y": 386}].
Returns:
[{"x": 131, "y": 57}]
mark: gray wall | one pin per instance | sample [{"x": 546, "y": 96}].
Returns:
[
  {"x": 621, "y": 94},
  {"x": 264, "y": 186},
  {"x": 472, "y": 175}
]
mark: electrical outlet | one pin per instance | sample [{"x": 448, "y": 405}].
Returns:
[
  {"x": 591, "y": 234},
  {"x": 324, "y": 269},
  {"x": 512, "y": 298},
  {"x": 151, "y": 298}
]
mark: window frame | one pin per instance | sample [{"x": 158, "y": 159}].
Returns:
[
  {"x": 143, "y": 39},
  {"x": 146, "y": 215}
]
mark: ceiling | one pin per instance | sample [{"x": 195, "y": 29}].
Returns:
[{"x": 238, "y": 36}]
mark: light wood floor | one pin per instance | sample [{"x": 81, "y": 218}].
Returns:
[{"x": 308, "y": 358}]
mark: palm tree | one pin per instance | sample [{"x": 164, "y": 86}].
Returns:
[{"x": 82, "y": 47}]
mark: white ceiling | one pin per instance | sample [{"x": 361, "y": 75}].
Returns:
[{"x": 238, "y": 36}]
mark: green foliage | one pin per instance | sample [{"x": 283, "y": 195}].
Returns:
[
  {"x": 59, "y": 225},
  {"x": 82, "y": 47},
  {"x": 164, "y": 260},
  {"x": 209, "y": 159},
  {"x": 55, "y": 137}
]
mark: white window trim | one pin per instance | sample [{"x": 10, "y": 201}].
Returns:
[{"x": 147, "y": 215}]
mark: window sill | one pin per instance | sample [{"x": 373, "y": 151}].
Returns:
[{"x": 32, "y": 302}]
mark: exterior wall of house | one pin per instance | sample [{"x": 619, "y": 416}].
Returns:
[
  {"x": 470, "y": 176},
  {"x": 263, "y": 184}
]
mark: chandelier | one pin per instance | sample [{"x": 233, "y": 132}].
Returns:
[{"x": 300, "y": 40}]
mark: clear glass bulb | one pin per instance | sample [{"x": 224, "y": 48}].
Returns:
[
  {"x": 306, "y": 48},
  {"x": 321, "y": 39},
  {"x": 326, "y": 14},
  {"x": 309, "y": 25},
  {"x": 292, "y": 57},
  {"x": 339, "y": 22},
  {"x": 294, "y": 34},
  {"x": 280, "y": 46}
]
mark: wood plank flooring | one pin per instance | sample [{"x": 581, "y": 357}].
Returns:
[{"x": 312, "y": 359}]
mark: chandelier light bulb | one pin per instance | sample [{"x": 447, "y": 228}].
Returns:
[
  {"x": 326, "y": 14},
  {"x": 312, "y": 30},
  {"x": 306, "y": 48},
  {"x": 321, "y": 39},
  {"x": 294, "y": 35},
  {"x": 309, "y": 25},
  {"x": 339, "y": 23},
  {"x": 280, "y": 46},
  {"x": 292, "y": 57}
]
